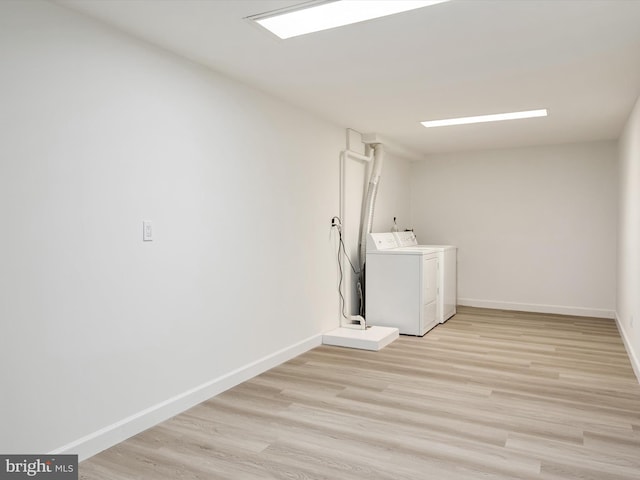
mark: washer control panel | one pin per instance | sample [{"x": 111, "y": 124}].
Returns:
[
  {"x": 381, "y": 241},
  {"x": 406, "y": 239}
]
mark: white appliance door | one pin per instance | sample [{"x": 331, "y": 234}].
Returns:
[
  {"x": 430, "y": 279},
  {"x": 429, "y": 294}
]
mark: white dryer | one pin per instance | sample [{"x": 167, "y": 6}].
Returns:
[
  {"x": 400, "y": 286},
  {"x": 447, "y": 275}
]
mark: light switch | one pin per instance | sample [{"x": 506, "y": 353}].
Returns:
[{"x": 147, "y": 232}]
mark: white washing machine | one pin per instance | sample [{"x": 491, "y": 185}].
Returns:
[
  {"x": 447, "y": 275},
  {"x": 400, "y": 286}
]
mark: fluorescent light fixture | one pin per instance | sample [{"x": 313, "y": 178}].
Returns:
[
  {"x": 497, "y": 117},
  {"x": 316, "y": 16}
]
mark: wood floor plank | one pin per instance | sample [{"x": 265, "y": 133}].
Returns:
[{"x": 490, "y": 394}]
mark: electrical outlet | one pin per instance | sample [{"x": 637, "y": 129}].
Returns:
[{"x": 147, "y": 232}]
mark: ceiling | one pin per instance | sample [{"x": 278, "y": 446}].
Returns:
[{"x": 579, "y": 59}]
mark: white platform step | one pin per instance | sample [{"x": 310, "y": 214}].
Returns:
[{"x": 373, "y": 338}]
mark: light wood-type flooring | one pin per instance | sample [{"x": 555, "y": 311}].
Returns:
[{"x": 488, "y": 395}]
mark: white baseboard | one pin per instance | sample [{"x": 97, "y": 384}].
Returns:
[
  {"x": 115, "y": 433},
  {"x": 633, "y": 357},
  {"x": 538, "y": 308}
]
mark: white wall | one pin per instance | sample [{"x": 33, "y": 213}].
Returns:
[
  {"x": 535, "y": 227},
  {"x": 394, "y": 196},
  {"x": 99, "y": 132},
  {"x": 628, "y": 299}
]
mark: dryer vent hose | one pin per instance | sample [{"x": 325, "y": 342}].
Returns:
[{"x": 369, "y": 206}]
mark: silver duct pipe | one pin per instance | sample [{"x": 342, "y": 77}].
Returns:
[{"x": 366, "y": 223}]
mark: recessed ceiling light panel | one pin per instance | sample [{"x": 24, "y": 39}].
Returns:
[
  {"x": 325, "y": 15},
  {"x": 497, "y": 117}
]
